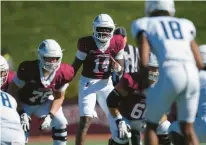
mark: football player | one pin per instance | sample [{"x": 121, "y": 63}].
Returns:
[
  {"x": 200, "y": 121},
  {"x": 131, "y": 56},
  {"x": 172, "y": 40},
  {"x": 40, "y": 87},
  {"x": 99, "y": 54},
  {"x": 11, "y": 131},
  {"x": 6, "y": 74},
  {"x": 127, "y": 104}
]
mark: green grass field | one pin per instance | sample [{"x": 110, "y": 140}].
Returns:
[{"x": 24, "y": 24}]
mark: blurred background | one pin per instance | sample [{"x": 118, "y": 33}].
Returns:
[{"x": 25, "y": 24}]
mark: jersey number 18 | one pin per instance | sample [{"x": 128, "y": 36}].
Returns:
[{"x": 171, "y": 29}]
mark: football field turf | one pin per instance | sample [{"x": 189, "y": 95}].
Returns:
[
  {"x": 94, "y": 139},
  {"x": 72, "y": 143}
]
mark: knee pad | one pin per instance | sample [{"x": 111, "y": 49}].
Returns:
[
  {"x": 112, "y": 142},
  {"x": 59, "y": 134},
  {"x": 164, "y": 139}
]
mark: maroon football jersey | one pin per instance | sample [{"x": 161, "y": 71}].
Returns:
[
  {"x": 97, "y": 64},
  {"x": 34, "y": 92},
  {"x": 5, "y": 86},
  {"x": 133, "y": 105}
]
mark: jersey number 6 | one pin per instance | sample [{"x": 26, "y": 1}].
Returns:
[{"x": 138, "y": 111}]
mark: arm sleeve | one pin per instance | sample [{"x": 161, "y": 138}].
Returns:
[
  {"x": 63, "y": 87},
  {"x": 121, "y": 45},
  {"x": 21, "y": 75},
  {"x": 192, "y": 30},
  {"x": 22, "y": 71},
  {"x": 113, "y": 99},
  {"x": 18, "y": 82},
  {"x": 138, "y": 26},
  {"x": 129, "y": 83},
  {"x": 81, "y": 55},
  {"x": 67, "y": 76}
]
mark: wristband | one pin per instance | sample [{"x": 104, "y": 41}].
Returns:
[
  {"x": 51, "y": 115},
  {"x": 119, "y": 116}
]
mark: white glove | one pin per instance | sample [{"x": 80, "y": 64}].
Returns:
[
  {"x": 124, "y": 130},
  {"x": 47, "y": 119},
  {"x": 25, "y": 122}
]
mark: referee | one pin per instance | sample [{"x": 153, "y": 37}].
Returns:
[{"x": 131, "y": 55}]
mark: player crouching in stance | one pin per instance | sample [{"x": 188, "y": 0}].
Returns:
[
  {"x": 11, "y": 131},
  {"x": 99, "y": 54},
  {"x": 127, "y": 104},
  {"x": 40, "y": 87},
  {"x": 200, "y": 121}
]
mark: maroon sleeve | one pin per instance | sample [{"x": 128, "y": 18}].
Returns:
[
  {"x": 23, "y": 71},
  {"x": 11, "y": 76},
  {"x": 81, "y": 45},
  {"x": 128, "y": 82},
  {"x": 67, "y": 74},
  {"x": 119, "y": 42}
]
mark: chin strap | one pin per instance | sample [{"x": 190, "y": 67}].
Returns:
[{"x": 102, "y": 45}]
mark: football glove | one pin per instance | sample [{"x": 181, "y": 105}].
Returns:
[
  {"x": 25, "y": 121},
  {"x": 124, "y": 130},
  {"x": 47, "y": 119}
]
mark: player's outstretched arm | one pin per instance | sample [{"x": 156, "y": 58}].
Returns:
[
  {"x": 58, "y": 101},
  {"x": 144, "y": 49},
  {"x": 118, "y": 66},
  {"x": 76, "y": 65},
  {"x": 115, "y": 98},
  {"x": 25, "y": 118},
  {"x": 197, "y": 55},
  {"x": 113, "y": 101},
  {"x": 56, "y": 104}
]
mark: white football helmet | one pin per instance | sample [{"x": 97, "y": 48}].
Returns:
[
  {"x": 4, "y": 67},
  {"x": 49, "y": 48},
  {"x": 153, "y": 75},
  {"x": 154, "y": 5},
  {"x": 203, "y": 53},
  {"x": 103, "y": 21}
]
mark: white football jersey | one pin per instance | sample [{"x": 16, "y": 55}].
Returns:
[
  {"x": 202, "y": 100},
  {"x": 169, "y": 37},
  {"x": 9, "y": 116}
]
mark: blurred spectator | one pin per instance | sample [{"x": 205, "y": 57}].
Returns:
[
  {"x": 131, "y": 55},
  {"x": 7, "y": 56}
]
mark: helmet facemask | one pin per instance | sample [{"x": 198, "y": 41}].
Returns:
[
  {"x": 153, "y": 74},
  {"x": 103, "y": 34},
  {"x": 50, "y": 65},
  {"x": 153, "y": 68}
]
